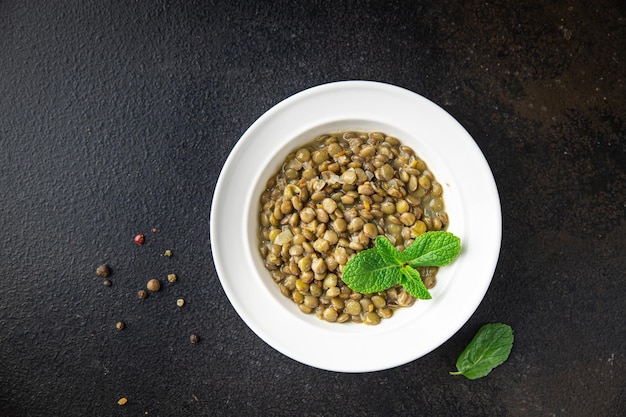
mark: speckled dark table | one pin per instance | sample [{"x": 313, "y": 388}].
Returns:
[{"x": 116, "y": 117}]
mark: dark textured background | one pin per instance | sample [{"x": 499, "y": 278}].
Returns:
[{"x": 116, "y": 117}]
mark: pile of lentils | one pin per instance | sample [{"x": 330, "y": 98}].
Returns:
[{"x": 328, "y": 201}]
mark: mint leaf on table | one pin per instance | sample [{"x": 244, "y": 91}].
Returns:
[
  {"x": 384, "y": 266},
  {"x": 489, "y": 348}
]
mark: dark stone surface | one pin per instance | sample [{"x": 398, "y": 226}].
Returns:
[{"x": 116, "y": 117}]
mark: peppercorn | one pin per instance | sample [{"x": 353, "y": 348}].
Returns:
[
  {"x": 194, "y": 338},
  {"x": 120, "y": 325},
  {"x": 141, "y": 294},
  {"x": 103, "y": 271},
  {"x": 171, "y": 277},
  {"x": 107, "y": 283},
  {"x": 154, "y": 285},
  {"x": 139, "y": 239}
]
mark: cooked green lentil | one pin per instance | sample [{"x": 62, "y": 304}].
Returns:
[{"x": 329, "y": 200}]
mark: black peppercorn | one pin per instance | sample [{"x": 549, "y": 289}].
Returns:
[{"x": 103, "y": 271}]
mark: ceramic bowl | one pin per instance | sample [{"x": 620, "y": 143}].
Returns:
[{"x": 472, "y": 204}]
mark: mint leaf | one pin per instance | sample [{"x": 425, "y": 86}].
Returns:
[
  {"x": 388, "y": 252},
  {"x": 368, "y": 272},
  {"x": 432, "y": 249},
  {"x": 384, "y": 266},
  {"x": 412, "y": 282},
  {"x": 489, "y": 348}
]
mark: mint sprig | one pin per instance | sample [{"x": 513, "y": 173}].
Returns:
[{"x": 384, "y": 266}]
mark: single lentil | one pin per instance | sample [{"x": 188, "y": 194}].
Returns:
[
  {"x": 107, "y": 283},
  {"x": 122, "y": 401},
  {"x": 180, "y": 302},
  {"x": 328, "y": 201},
  {"x": 194, "y": 338},
  {"x": 168, "y": 253},
  {"x": 371, "y": 318},
  {"x": 120, "y": 325}
]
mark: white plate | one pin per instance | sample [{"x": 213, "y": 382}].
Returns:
[{"x": 471, "y": 199}]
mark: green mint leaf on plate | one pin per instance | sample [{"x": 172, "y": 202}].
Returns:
[
  {"x": 432, "y": 249},
  {"x": 384, "y": 266},
  {"x": 368, "y": 272},
  {"x": 412, "y": 282},
  {"x": 490, "y": 348},
  {"x": 388, "y": 252}
]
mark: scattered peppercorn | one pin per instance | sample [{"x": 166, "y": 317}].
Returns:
[
  {"x": 171, "y": 277},
  {"x": 168, "y": 253},
  {"x": 122, "y": 401},
  {"x": 107, "y": 283},
  {"x": 120, "y": 325},
  {"x": 154, "y": 285},
  {"x": 141, "y": 294},
  {"x": 139, "y": 239},
  {"x": 180, "y": 302},
  {"x": 194, "y": 338},
  {"x": 103, "y": 271}
]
